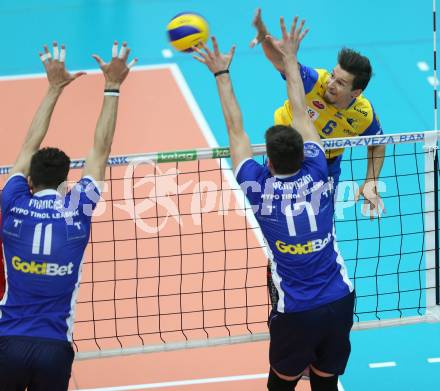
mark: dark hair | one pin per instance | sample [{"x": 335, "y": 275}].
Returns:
[
  {"x": 358, "y": 65},
  {"x": 285, "y": 149},
  {"x": 49, "y": 168}
]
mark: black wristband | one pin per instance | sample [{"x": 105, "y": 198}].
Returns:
[
  {"x": 112, "y": 90},
  {"x": 221, "y": 72}
]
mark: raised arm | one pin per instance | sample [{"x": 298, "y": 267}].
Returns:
[
  {"x": 58, "y": 78},
  {"x": 270, "y": 47},
  {"x": 288, "y": 48},
  {"x": 219, "y": 64},
  {"x": 373, "y": 202},
  {"x": 115, "y": 72}
]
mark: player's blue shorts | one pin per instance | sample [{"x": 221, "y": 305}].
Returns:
[
  {"x": 319, "y": 337},
  {"x": 34, "y": 363},
  {"x": 334, "y": 169}
]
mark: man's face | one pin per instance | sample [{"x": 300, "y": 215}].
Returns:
[{"x": 339, "y": 88}]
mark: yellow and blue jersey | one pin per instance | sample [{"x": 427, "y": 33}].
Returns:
[
  {"x": 44, "y": 238},
  {"x": 295, "y": 214},
  {"x": 359, "y": 119}
]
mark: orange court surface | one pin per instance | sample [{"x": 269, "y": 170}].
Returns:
[{"x": 145, "y": 124}]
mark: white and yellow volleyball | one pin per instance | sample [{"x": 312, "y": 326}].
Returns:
[{"x": 187, "y": 30}]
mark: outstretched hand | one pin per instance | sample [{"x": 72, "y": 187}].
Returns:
[
  {"x": 262, "y": 32},
  {"x": 214, "y": 60},
  {"x": 57, "y": 74},
  {"x": 372, "y": 201},
  {"x": 290, "y": 41},
  {"x": 116, "y": 71}
]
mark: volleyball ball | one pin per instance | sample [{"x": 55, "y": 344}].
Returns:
[{"x": 187, "y": 30}]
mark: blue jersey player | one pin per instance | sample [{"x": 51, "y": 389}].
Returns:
[
  {"x": 45, "y": 231},
  {"x": 292, "y": 201}
]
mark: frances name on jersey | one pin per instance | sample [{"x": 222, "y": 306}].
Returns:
[{"x": 45, "y": 204}]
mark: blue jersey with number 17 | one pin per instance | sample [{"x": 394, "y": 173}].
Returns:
[
  {"x": 295, "y": 214},
  {"x": 44, "y": 237}
]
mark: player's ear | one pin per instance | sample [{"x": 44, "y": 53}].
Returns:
[
  {"x": 31, "y": 185},
  {"x": 269, "y": 165},
  {"x": 356, "y": 93},
  {"x": 62, "y": 188}
]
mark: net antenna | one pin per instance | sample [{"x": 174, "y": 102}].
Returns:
[
  {"x": 435, "y": 151},
  {"x": 434, "y": 43}
]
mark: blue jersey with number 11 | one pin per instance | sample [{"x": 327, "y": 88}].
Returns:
[
  {"x": 295, "y": 214},
  {"x": 44, "y": 237}
]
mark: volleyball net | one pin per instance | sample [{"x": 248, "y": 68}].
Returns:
[{"x": 176, "y": 258}]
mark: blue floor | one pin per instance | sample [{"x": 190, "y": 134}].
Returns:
[{"x": 395, "y": 34}]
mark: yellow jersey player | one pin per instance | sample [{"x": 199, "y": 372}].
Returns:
[{"x": 337, "y": 109}]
